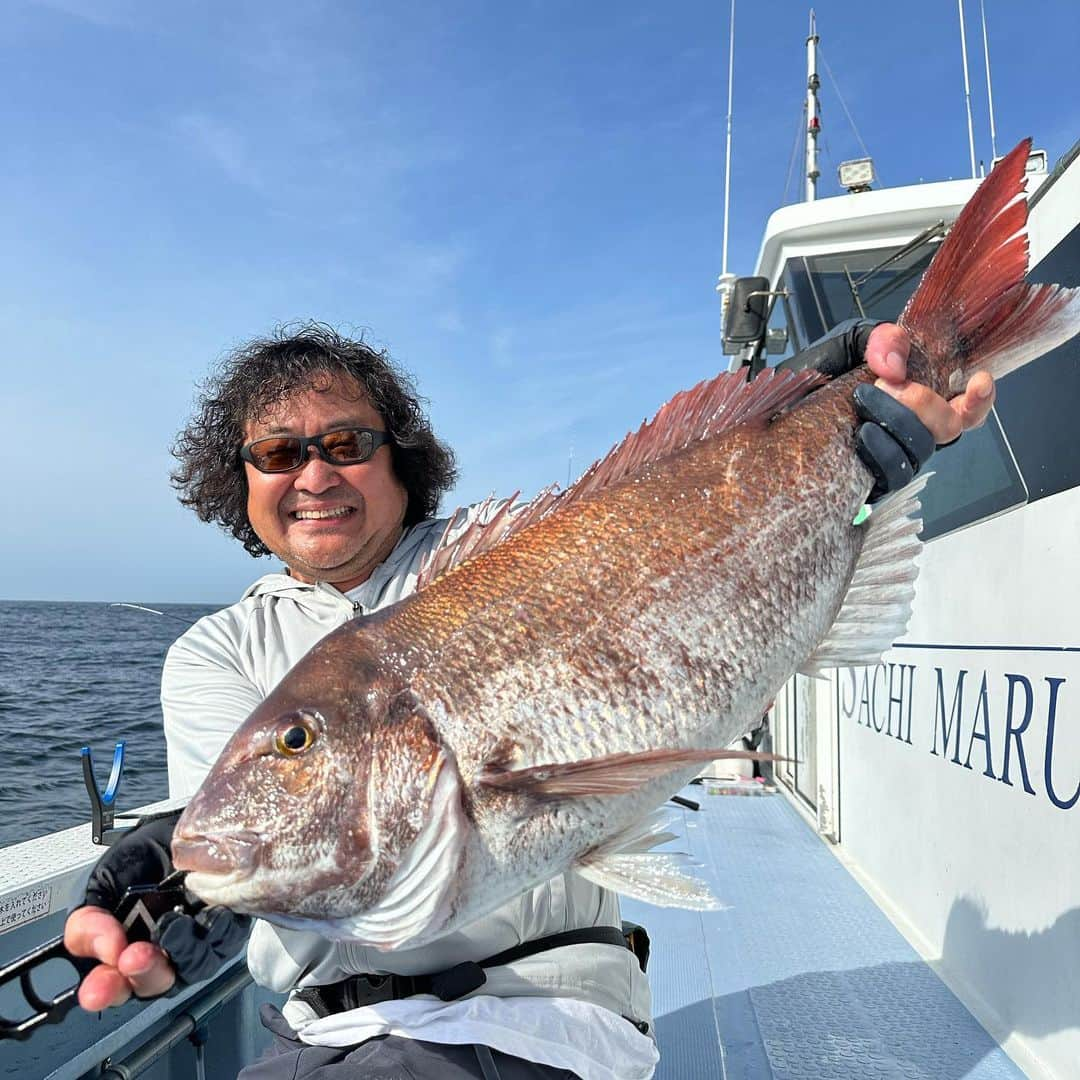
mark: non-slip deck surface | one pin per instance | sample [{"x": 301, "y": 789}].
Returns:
[{"x": 800, "y": 976}]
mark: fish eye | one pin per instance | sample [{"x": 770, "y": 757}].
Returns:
[{"x": 296, "y": 733}]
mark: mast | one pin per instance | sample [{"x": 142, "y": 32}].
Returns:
[
  {"x": 813, "y": 124},
  {"x": 967, "y": 87}
]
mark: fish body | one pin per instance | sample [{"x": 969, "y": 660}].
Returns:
[{"x": 570, "y": 668}]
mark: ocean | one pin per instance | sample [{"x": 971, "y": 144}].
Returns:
[{"x": 74, "y": 675}]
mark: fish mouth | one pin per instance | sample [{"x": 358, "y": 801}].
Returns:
[{"x": 233, "y": 853}]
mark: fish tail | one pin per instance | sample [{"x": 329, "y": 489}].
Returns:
[{"x": 973, "y": 310}]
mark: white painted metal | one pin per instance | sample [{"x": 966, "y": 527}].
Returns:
[
  {"x": 727, "y": 152},
  {"x": 989, "y": 84},
  {"x": 57, "y": 863},
  {"x": 967, "y": 86}
]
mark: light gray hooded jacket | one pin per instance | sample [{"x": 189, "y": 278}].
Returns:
[{"x": 223, "y": 667}]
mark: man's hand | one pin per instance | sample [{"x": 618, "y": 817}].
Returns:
[
  {"x": 186, "y": 948},
  {"x": 886, "y": 356},
  {"x": 141, "y": 857},
  {"x": 139, "y": 968},
  {"x": 902, "y": 421}
]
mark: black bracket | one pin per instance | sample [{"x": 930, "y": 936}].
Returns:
[{"x": 689, "y": 804}]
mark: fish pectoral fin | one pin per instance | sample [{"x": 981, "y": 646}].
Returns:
[
  {"x": 612, "y": 774},
  {"x": 627, "y": 865},
  {"x": 877, "y": 605}
]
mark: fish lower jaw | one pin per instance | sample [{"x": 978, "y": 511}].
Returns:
[{"x": 229, "y": 890}]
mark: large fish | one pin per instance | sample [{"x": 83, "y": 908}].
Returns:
[{"x": 565, "y": 670}]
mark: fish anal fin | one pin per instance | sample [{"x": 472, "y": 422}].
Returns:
[
  {"x": 611, "y": 774},
  {"x": 655, "y": 879},
  {"x": 627, "y": 865}
]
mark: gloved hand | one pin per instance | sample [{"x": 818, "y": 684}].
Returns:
[
  {"x": 892, "y": 442},
  {"x": 198, "y": 945},
  {"x": 185, "y": 947}
]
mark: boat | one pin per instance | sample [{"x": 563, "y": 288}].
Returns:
[
  {"x": 946, "y": 779},
  {"x": 901, "y": 901}
]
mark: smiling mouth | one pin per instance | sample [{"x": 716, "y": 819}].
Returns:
[{"x": 322, "y": 515}]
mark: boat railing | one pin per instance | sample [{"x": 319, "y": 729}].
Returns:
[{"x": 41, "y": 880}]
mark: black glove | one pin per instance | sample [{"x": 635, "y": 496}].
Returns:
[
  {"x": 892, "y": 442},
  {"x": 197, "y": 945}
]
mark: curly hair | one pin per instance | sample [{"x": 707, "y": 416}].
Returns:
[{"x": 210, "y": 477}]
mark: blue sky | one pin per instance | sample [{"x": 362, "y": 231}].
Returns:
[{"x": 523, "y": 202}]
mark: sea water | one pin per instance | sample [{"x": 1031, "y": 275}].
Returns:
[{"x": 74, "y": 675}]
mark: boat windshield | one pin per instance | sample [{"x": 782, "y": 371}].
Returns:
[{"x": 873, "y": 284}]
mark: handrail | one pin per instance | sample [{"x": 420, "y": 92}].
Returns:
[{"x": 181, "y": 1028}]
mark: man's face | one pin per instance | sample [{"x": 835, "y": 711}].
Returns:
[{"x": 367, "y": 501}]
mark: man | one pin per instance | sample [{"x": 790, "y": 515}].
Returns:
[{"x": 312, "y": 448}]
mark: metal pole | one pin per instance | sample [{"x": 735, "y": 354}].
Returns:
[
  {"x": 813, "y": 125},
  {"x": 179, "y": 1029},
  {"x": 989, "y": 87},
  {"x": 727, "y": 158},
  {"x": 967, "y": 87}
]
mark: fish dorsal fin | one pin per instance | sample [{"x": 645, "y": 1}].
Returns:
[
  {"x": 712, "y": 407},
  {"x": 494, "y": 520},
  {"x": 877, "y": 605}
]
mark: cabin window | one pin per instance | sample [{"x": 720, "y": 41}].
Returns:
[
  {"x": 1024, "y": 452},
  {"x": 797, "y": 739},
  {"x": 1037, "y": 404},
  {"x": 872, "y": 284},
  {"x": 780, "y": 329},
  {"x": 973, "y": 479}
]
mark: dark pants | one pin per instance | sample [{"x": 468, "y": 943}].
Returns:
[{"x": 388, "y": 1057}]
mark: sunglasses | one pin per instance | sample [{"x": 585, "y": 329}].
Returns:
[{"x": 283, "y": 453}]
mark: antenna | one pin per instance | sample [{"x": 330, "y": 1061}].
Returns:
[
  {"x": 813, "y": 124},
  {"x": 727, "y": 157},
  {"x": 989, "y": 88},
  {"x": 727, "y": 281},
  {"x": 967, "y": 87}
]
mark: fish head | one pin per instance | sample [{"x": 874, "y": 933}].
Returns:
[{"x": 327, "y": 808}]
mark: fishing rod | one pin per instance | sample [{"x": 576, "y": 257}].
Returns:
[{"x": 153, "y": 611}]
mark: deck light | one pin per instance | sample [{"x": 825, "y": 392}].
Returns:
[{"x": 856, "y": 175}]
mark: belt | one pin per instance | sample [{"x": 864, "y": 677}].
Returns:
[{"x": 448, "y": 985}]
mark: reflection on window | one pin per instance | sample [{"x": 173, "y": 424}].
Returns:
[
  {"x": 779, "y": 320},
  {"x": 1037, "y": 404},
  {"x": 973, "y": 479},
  {"x": 854, "y": 284}
]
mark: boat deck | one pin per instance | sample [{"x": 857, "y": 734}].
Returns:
[{"x": 800, "y": 975}]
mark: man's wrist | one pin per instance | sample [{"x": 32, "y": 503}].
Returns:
[{"x": 841, "y": 350}]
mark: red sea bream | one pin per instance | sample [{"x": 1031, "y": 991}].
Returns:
[{"x": 566, "y": 669}]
